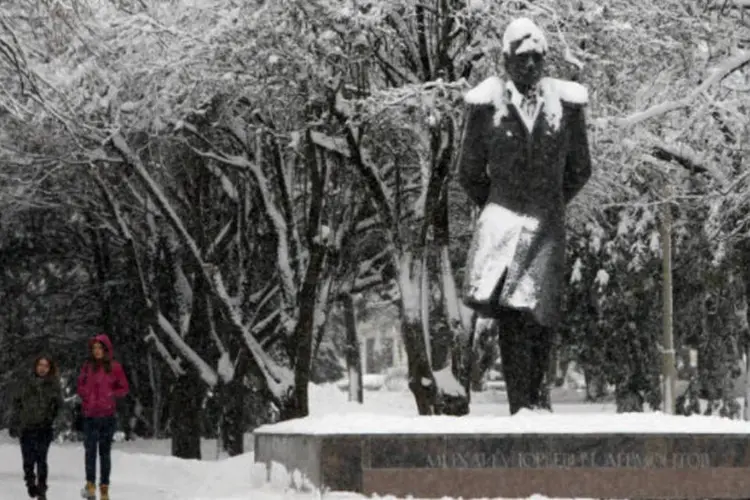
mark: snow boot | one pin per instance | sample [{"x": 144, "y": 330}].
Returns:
[
  {"x": 32, "y": 490},
  {"x": 30, "y": 480},
  {"x": 89, "y": 491},
  {"x": 41, "y": 491},
  {"x": 104, "y": 492}
]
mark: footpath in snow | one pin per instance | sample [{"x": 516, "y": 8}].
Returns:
[{"x": 142, "y": 470}]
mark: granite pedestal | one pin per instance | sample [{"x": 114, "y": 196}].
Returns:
[{"x": 591, "y": 463}]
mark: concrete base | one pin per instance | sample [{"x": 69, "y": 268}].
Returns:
[{"x": 614, "y": 465}]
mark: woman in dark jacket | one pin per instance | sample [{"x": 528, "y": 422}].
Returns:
[{"x": 36, "y": 404}]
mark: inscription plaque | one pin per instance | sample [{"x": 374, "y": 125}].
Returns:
[
  {"x": 568, "y": 460},
  {"x": 493, "y": 452}
]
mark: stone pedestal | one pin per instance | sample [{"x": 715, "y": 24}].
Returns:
[{"x": 591, "y": 465}]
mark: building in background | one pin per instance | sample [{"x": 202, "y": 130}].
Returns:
[{"x": 381, "y": 344}]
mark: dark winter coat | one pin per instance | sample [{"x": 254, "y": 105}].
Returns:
[
  {"x": 98, "y": 388},
  {"x": 36, "y": 402},
  {"x": 505, "y": 169}
]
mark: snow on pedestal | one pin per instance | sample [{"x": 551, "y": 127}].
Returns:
[{"x": 524, "y": 422}]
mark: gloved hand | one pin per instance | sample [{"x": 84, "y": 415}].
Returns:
[{"x": 13, "y": 432}]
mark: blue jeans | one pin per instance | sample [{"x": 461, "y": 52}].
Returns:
[{"x": 98, "y": 434}]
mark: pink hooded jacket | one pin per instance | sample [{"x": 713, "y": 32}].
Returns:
[{"x": 98, "y": 389}]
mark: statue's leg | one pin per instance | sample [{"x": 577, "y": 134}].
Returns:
[
  {"x": 525, "y": 349},
  {"x": 541, "y": 351},
  {"x": 514, "y": 354}
]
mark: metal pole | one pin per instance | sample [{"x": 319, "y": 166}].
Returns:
[{"x": 669, "y": 368}]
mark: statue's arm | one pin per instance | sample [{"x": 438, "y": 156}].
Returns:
[
  {"x": 578, "y": 159},
  {"x": 472, "y": 161}
]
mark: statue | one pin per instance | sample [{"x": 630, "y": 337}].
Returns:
[{"x": 524, "y": 156}]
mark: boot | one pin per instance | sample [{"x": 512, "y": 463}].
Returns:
[
  {"x": 104, "y": 491},
  {"x": 41, "y": 491},
  {"x": 32, "y": 490},
  {"x": 30, "y": 479},
  {"x": 89, "y": 491}
]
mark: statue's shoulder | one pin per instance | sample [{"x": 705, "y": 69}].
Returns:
[
  {"x": 568, "y": 91},
  {"x": 491, "y": 91}
]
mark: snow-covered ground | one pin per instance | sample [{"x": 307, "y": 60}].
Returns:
[{"x": 144, "y": 470}]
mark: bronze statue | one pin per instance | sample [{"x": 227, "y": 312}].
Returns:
[{"x": 524, "y": 156}]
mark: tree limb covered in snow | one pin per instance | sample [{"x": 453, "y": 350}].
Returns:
[
  {"x": 207, "y": 373},
  {"x": 262, "y": 324},
  {"x": 122, "y": 147},
  {"x": 330, "y": 143},
  {"x": 277, "y": 378},
  {"x": 260, "y": 300},
  {"x": 172, "y": 362},
  {"x": 293, "y": 249},
  {"x": 124, "y": 231},
  {"x": 367, "y": 170},
  {"x": 227, "y": 185},
  {"x": 183, "y": 292},
  {"x": 222, "y": 239},
  {"x": 684, "y": 156},
  {"x": 729, "y": 4},
  {"x": 722, "y": 71},
  {"x": 278, "y": 222}
]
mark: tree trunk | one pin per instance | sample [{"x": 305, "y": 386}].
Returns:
[
  {"x": 297, "y": 406},
  {"x": 293, "y": 407},
  {"x": 421, "y": 378},
  {"x": 628, "y": 399},
  {"x": 156, "y": 395},
  {"x": 460, "y": 324},
  {"x": 189, "y": 390},
  {"x": 595, "y": 385},
  {"x": 186, "y": 412},
  {"x": 102, "y": 262},
  {"x": 258, "y": 406},
  {"x": 234, "y": 407},
  {"x": 353, "y": 355},
  {"x": 553, "y": 370},
  {"x": 233, "y": 417},
  {"x": 565, "y": 366},
  {"x": 744, "y": 259}
]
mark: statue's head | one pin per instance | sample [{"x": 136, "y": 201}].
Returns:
[{"x": 524, "y": 50}]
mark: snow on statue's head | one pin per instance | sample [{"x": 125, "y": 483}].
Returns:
[
  {"x": 523, "y": 35},
  {"x": 524, "y": 48}
]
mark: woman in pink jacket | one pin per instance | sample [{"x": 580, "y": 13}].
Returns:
[{"x": 101, "y": 383}]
